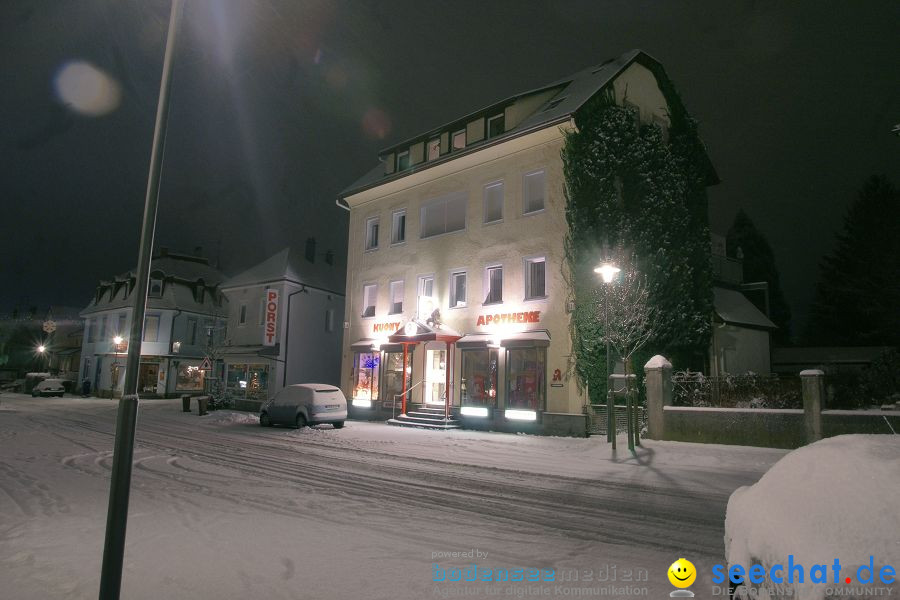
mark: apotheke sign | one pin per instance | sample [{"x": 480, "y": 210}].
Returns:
[{"x": 533, "y": 316}]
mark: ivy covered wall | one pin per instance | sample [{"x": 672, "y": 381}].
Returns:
[{"x": 631, "y": 190}]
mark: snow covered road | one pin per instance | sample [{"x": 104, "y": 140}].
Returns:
[{"x": 222, "y": 508}]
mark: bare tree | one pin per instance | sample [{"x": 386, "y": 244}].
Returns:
[{"x": 627, "y": 315}]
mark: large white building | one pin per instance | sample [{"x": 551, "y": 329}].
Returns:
[{"x": 469, "y": 219}]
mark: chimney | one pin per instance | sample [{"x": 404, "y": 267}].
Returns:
[{"x": 311, "y": 249}]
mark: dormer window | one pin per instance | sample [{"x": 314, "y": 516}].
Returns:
[
  {"x": 459, "y": 139},
  {"x": 403, "y": 160},
  {"x": 156, "y": 287},
  {"x": 434, "y": 149},
  {"x": 495, "y": 126}
]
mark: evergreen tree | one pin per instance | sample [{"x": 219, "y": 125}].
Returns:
[
  {"x": 858, "y": 295},
  {"x": 759, "y": 265},
  {"x": 629, "y": 189}
]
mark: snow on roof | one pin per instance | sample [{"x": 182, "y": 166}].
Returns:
[
  {"x": 575, "y": 90},
  {"x": 734, "y": 308},
  {"x": 291, "y": 265}
]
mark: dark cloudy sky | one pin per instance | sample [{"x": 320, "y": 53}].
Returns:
[{"x": 279, "y": 104}]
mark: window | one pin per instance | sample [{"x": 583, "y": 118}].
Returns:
[
  {"x": 155, "y": 290},
  {"x": 369, "y": 293},
  {"x": 102, "y": 333},
  {"x": 493, "y": 283},
  {"x": 533, "y": 193},
  {"x": 121, "y": 327},
  {"x": 535, "y": 278},
  {"x": 190, "y": 378},
  {"x": 191, "y": 333},
  {"x": 495, "y": 126},
  {"x": 403, "y": 160},
  {"x": 398, "y": 227},
  {"x": 444, "y": 214},
  {"x": 493, "y": 202},
  {"x": 392, "y": 370},
  {"x": 479, "y": 377},
  {"x": 372, "y": 233},
  {"x": 457, "y": 289},
  {"x": 260, "y": 317},
  {"x": 242, "y": 317},
  {"x": 525, "y": 378},
  {"x": 89, "y": 330},
  {"x": 434, "y": 149},
  {"x": 329, "y": 320},
  {"x": 459, "y": 139},
  {"x": 365, "y": 384},
  {"x": 396, "y": 297},
  {"x": 151, "y": 328},
  {"x": 425, "y": 290}
]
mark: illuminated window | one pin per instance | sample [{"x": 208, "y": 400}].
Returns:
[
  {"x": 396, "y": 297},
  {"x": 533, "y": 193},
  {"x": 479, "y": 377},
  {"x": 525, "y": 378},
  {"x": 370, "y": 291},
  {"x": 493, "y": 280},
  {"x": 495, "y": 125},
  {"x": 425, "y": 289},
  {"x": 458, "y": 289},
  {"x": 459, "y": 139},
  {"x": 398, "y": 227},
  {"x": 372, "y": 233},
  {"x": 493, "y": 202},
  {"x": 535, "y": 278},
  {"x": 434, "y": 149},
  {"x": 365, "y": 384}
]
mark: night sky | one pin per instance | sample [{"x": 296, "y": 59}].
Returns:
[{"x": 278, "y": 105}]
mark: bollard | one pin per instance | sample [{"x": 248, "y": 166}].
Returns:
[{"x": 185, "y": 403}]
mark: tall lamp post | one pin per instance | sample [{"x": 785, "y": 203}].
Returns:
[
  {"x": 608, "y": 272},
  {"x": 123, "y": 452},
  {"x": 42, "y": 352}
]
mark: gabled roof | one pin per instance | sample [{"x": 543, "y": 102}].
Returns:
[
  {"x": 291, "y": 265},
  {"x": 574, "y": 91},
  {"x": 733, "y": 307}
]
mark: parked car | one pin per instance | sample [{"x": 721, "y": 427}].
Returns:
[
  {"x": 305, "y": 404},
  {"x": 49, "y": 387}
]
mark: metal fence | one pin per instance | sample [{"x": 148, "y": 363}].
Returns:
[
  {"x": 691, "y": 388},
  {"x": 598, "y": 419}
]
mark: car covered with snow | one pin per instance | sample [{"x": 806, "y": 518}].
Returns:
[
  {"x": 305, "y": 404},
  {"x": 49, "y": 387},
  {"x": 836, "y": 499}
]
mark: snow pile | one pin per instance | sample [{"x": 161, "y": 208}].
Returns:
[
  {"x": 836, "y": 498},
  {"x": 230, "y": 417}
]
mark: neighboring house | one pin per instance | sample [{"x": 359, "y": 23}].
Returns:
[
  {"x": 468, "y": 219},
  {"x": 284, "y": 325},
  {"x": 184, "y": 319},
  {"x": 741, "y": 340},
  {"x": 62, "y": 333}
]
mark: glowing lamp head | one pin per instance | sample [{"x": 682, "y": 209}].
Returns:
[
  {"x": 117, "y": 340},
  {"x": 607, "y": 271},
  {"x": 42, "y": 348},
  {"x": 410, "y": 329}
]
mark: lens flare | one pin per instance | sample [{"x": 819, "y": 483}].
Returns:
[{"x": 86, "y": 89}]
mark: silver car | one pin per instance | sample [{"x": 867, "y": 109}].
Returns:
[
  {"x": 305, "y": 404},
  {"x": 48, "y": 387}
]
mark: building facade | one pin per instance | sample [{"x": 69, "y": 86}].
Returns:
[
  {"x": 461, "y": 233},
  {"x": 284, "y": 325},
  {"x": 184, "y": 321}
]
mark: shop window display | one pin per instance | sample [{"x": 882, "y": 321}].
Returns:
[
  {"x": 365, "y": 384},
  {"x": 525, "y": 378},
  {"x": 479, "y": 377}
]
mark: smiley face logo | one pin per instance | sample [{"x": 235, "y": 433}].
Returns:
[{"x": 682, "y": 573}]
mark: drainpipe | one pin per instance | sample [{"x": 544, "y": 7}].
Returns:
[
  {"x": 287, "y": 330},
  {"x": 343, "y": 204}
]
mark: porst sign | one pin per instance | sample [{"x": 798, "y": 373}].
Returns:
[{"x": 271, "y": 317}]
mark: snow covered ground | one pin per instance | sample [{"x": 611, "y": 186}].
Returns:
[{"x": 222, "y": 508}]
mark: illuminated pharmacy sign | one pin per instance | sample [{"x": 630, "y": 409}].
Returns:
[{"x": 533, "y": 316}]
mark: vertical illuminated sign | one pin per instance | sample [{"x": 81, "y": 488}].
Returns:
[{"x": 271, "y": 317}]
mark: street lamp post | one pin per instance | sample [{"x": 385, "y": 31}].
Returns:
[
  {"x": 123, "y": 452},
  {"x": 42, "y": 351},
  {"x": 608, "y": 272}
]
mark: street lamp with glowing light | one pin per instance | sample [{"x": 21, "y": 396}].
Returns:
[{"x": 608, "y": 272}]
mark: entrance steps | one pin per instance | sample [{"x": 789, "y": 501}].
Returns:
[{"x": 426, "y": 417}]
